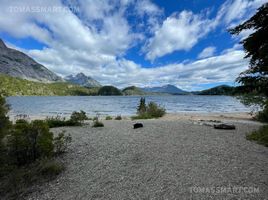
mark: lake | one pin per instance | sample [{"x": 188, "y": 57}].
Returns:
[{"x": 120, "y": 105}]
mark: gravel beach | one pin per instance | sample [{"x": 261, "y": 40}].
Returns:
[{"x": 166, "y": 159}]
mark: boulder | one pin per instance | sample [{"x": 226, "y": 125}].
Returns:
[
  {"x": 224, "y": 126},
  {"x": 137, "y": 125}
]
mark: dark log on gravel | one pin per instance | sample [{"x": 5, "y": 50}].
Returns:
[
  {"x": 224, "y": 126},
  {"x": 137, "y": 125}
]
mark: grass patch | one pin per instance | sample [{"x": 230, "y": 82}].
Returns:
[{"x": 260, "y": 136}]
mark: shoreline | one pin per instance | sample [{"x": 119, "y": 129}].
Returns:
[{"x": 180, "y": 116}]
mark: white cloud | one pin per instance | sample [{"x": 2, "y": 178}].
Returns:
[
  {"x": 95, "y": 40},
  {"x": 207, "y": 52},
  {"x": 234, "y": 12},
  {"x": 180, "y": 31}
]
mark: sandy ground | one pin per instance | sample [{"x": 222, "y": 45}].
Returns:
[{"x": 167, "y": 159}]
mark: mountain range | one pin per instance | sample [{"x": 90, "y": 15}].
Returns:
[
  {"x": 82, "y": 80},
  {"x": 18, "y": 64},
  {"x": 170, "y": 89}
]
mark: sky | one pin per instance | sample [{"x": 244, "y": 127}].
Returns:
[{"x": 132, "y": 42}]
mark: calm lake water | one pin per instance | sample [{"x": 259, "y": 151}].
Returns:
[{"x": 119, "y": 105}]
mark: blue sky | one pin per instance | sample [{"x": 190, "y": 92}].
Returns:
[{"x": 132, "y": 42}]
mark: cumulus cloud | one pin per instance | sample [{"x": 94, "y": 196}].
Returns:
[
  {"x": 234, "y": 12},
  {"x": 183, "y": 30},
  {"x": 180, "y": 31},
  {"x": 95, "y": 39},
  {"x": 207, "y": 52}
]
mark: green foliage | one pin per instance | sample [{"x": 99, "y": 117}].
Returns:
[
  {"x": 78, "y": 117},
  {"x": 61, "y": 142},
  {"x": 29, "y": 141},
  {"x": 109, "y": 91},
  {"x": 260, "y": 136},
  {"x": 58, "y": 122},
  {"x": 15, "y": 183},
  {"x": 255, "y": 79},
  {"x": 133, "y": 90},
  {"x": 26, "y": 154},
  {"x": 155, "y": 110},
  {"x": 141, "y": 107},
  {"x": 108, "y": 118},
  {"x": 219, "y": 90},
  {"x": 118, "y": 117},
  {"x": 4, "y": 120},
  {"x": 50, "y": 167},
  {"x": 10, "y": 86},
  {"x": 152, "y": 110},
  {"x": 255, "y": 46},
  {"x": 97, "y": 123}
]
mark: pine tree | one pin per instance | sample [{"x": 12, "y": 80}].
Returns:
[{"x": 142, "y": 106}]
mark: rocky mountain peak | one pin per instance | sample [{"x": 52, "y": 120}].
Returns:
[
  {"x": 83, "y": 80},
  {"x": 2, "y": 44},
  {"x": 17, "y": 64}
]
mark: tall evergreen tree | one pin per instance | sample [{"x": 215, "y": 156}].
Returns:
[
  {"x": 255, "y": 79},
  {"x": 255, "y": 45},
  {"x": 142, "y": 106}
]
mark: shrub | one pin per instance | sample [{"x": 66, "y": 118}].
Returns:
[
  {"x": 78, "y": 117},
  {"x": 16, "y": 182},
  {"x": 260, "y": 136},
  {"x": 97, "y": 123},
  {"x": 95, "y": 118},
  {"x": 155, "y": 110},
  {"x": 108, "y": 118},
  {"x": 50, "y": 167},
  {"x": 152, "y": 110},
  {"x": 57, "y": 122},
  {"x": 29, "y": 141},
  {"x": 118, "y": 117},
  {"x": 61, "y": 142}
]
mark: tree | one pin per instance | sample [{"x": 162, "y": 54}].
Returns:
[
  {"x": 109, "y": 91},
  {"x": 256, "y": 47},
  {"x": 4, "y": 119},
  {"x": 255, "y": 79},
  {"x": 142, "y": 106}
]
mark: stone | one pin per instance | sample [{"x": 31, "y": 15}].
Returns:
[
  {"x": 224, "y": 126},
  {"x": 137, "y": 125}
]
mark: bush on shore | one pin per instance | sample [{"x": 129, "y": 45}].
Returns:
[
  {"x": 108, "y": 118},
  {"x": 260, "y": 136},
  {"x": 16, "y": 182},
  {"x": 152, "y": 110},
  {"x": 97, "y": 123},
  {"x": 23, "y": 148},
  {"x": 76, "y": 119}
]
